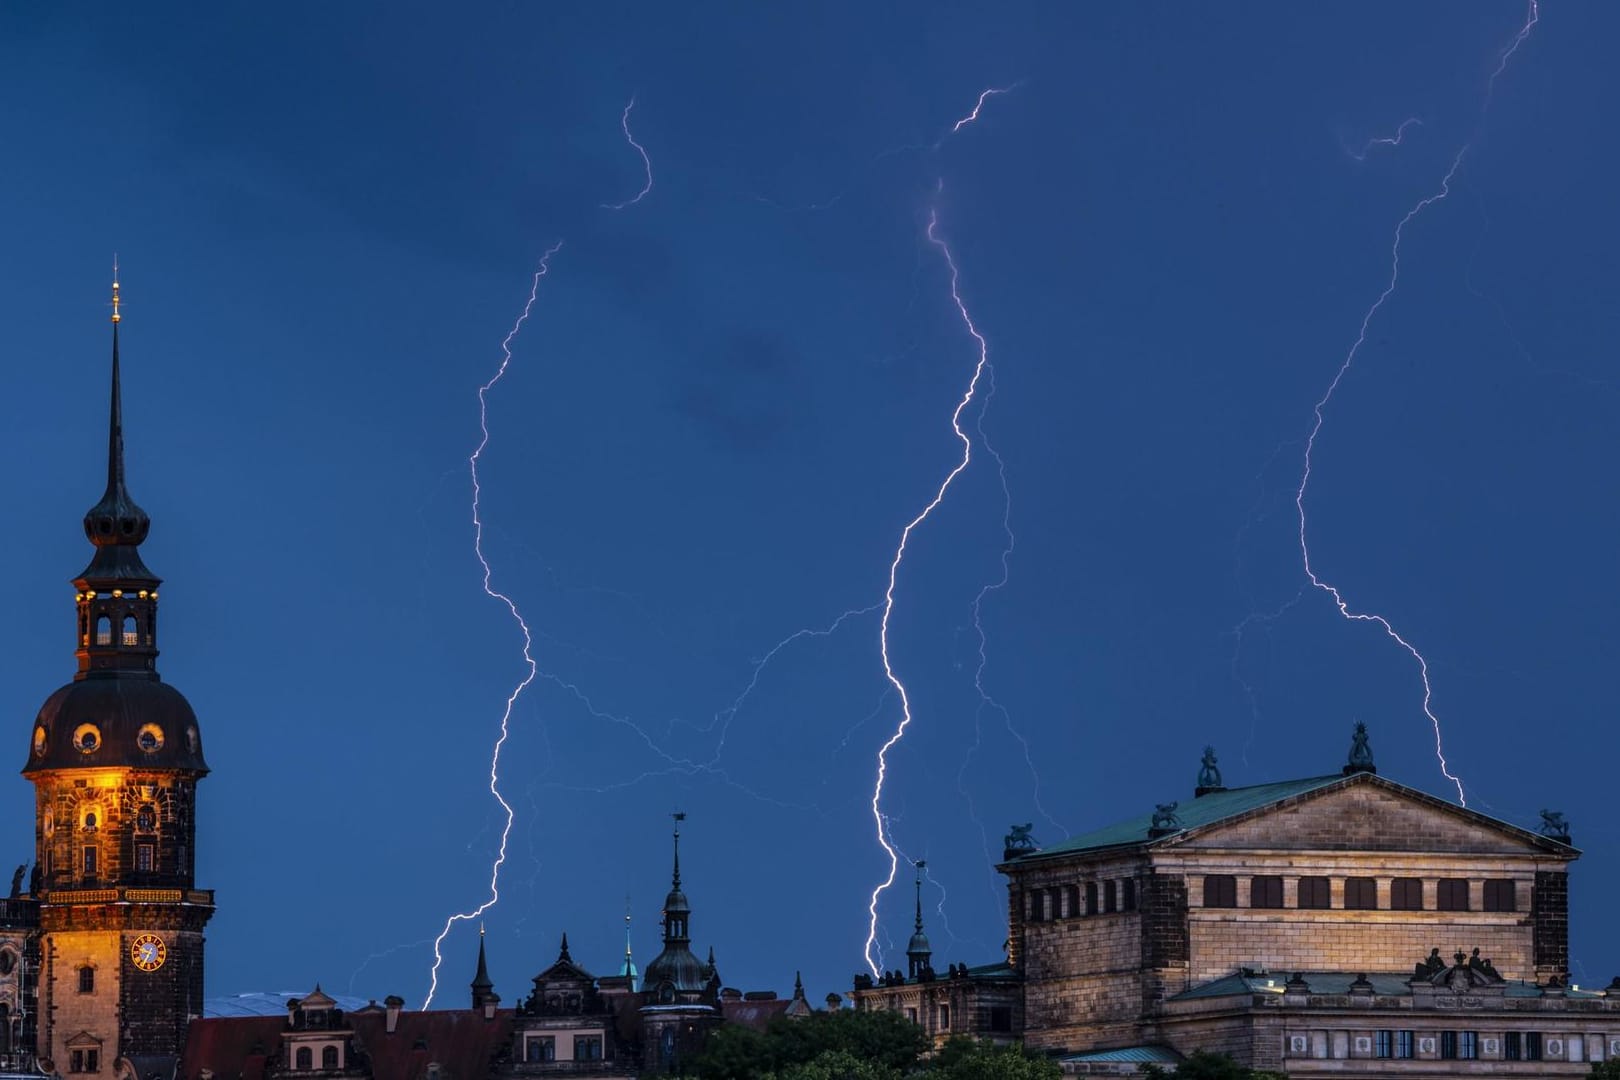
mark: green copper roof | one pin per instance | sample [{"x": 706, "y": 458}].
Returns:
[
  {"x": 1191, "y": 813},
  {"x": 1155, "y": 1054}
]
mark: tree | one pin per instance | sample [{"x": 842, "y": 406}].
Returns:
[
  {"x": 835, "y": 1065},
  {"x": 963, "y": 1059},
  {"x": 1605, "y": 1070},
  {"x": 884, "y": 1040}
]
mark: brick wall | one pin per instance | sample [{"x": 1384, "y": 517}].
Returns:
[{"x": 1550, "y": 918}]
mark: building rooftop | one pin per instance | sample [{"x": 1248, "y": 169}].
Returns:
[{"x": 1229, "y": 804}]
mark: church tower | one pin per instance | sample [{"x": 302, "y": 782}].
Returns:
[{"x": 114, "y": 757}]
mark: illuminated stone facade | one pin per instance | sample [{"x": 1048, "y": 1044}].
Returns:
[
  {"x": 114, "y": 757},
  {"x": 1286, "y": 924}
]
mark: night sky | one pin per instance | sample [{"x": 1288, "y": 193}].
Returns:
[{"x": 731, "y": 397}]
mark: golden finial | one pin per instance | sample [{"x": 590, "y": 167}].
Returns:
[{"x": 116, "y": 316}]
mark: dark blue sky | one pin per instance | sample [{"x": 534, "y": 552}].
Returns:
[{"x": 728, "y": 403}]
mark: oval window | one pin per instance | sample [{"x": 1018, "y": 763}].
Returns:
[
  {"x": 150, "y": 738},
  {"x": 39, "y": 741},
  {"x": 87, "y": 737},
  {"x": 90, "y": 820}
]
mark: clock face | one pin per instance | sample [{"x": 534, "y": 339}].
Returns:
[{"x": 148, "y": 952}]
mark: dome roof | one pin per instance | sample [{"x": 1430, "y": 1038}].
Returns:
[
  {"x": 677, "y": 966},
  {"x": 128, "y": 720},
  {"x": 918, "y": 946}
]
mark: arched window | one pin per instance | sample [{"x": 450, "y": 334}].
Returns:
[
  {"x": 87, "y": 980},
  {"x": 329, "y": 1057},
  {"x": 131, "y": 634},
  {"x": 103, "y": 630},
  {"x": 304, "y": 1060}
]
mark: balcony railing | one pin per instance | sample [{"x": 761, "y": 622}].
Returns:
[{"x": 17, "y": 913}]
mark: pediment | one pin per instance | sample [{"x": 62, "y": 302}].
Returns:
[
  {"x": 1370, "y": 813},
  {"x": 83, "y": 1041}
]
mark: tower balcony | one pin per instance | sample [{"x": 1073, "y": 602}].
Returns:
[{"x": 19, "y": 913}]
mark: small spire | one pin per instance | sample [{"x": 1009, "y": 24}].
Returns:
[
  {"x": 481, "y": 984},
  {"x": 563, "y": 955},
  {"x": 115, "y": 316},
  {"x": 921, "y": 864},
  {"x": 679, "y": 817}
]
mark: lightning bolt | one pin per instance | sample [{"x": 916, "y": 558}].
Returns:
[
  {"x": 517, "y": 616},
  {"x": 985, "y": 700},
  {"x": 1385, "y": 140},
  {"x": 978, "y": 106},
  {"x": 646, "y": 162},
  {"x": 1339, "y": 601},
  {"x": 979, "y": 369}
]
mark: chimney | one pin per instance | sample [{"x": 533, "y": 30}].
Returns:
[{"x": 392, "y": 1004}]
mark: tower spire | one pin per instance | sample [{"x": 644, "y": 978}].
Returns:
[
  {"x": 919, "y": 954},
  {"x": 920, "y": 864},
  {"x": 481, "y": 984},
  {"x": 115, "y": 423},
  {"x": 679, "y": 817}
]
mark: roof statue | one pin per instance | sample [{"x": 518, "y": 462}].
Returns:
[
  {"x": 1553, "y": 825},
  {"x": 1361, "y": 758},
  {"x": 1209, "y": 774},
  {"x": 1018, "y": 840},
  {"x": 1165, "y": 821}
]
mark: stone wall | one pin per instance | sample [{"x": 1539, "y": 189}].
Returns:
[{"x": 69, "y": 1012}]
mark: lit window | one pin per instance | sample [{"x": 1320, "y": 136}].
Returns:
[
  {"x": 1360, "y": 894},
  {"x": 1406, "y": 894},
  {"x": 1265, "y": 891},
  {"x": 1220, "y": 890},
  {"x": 1315, "y": 892}
]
